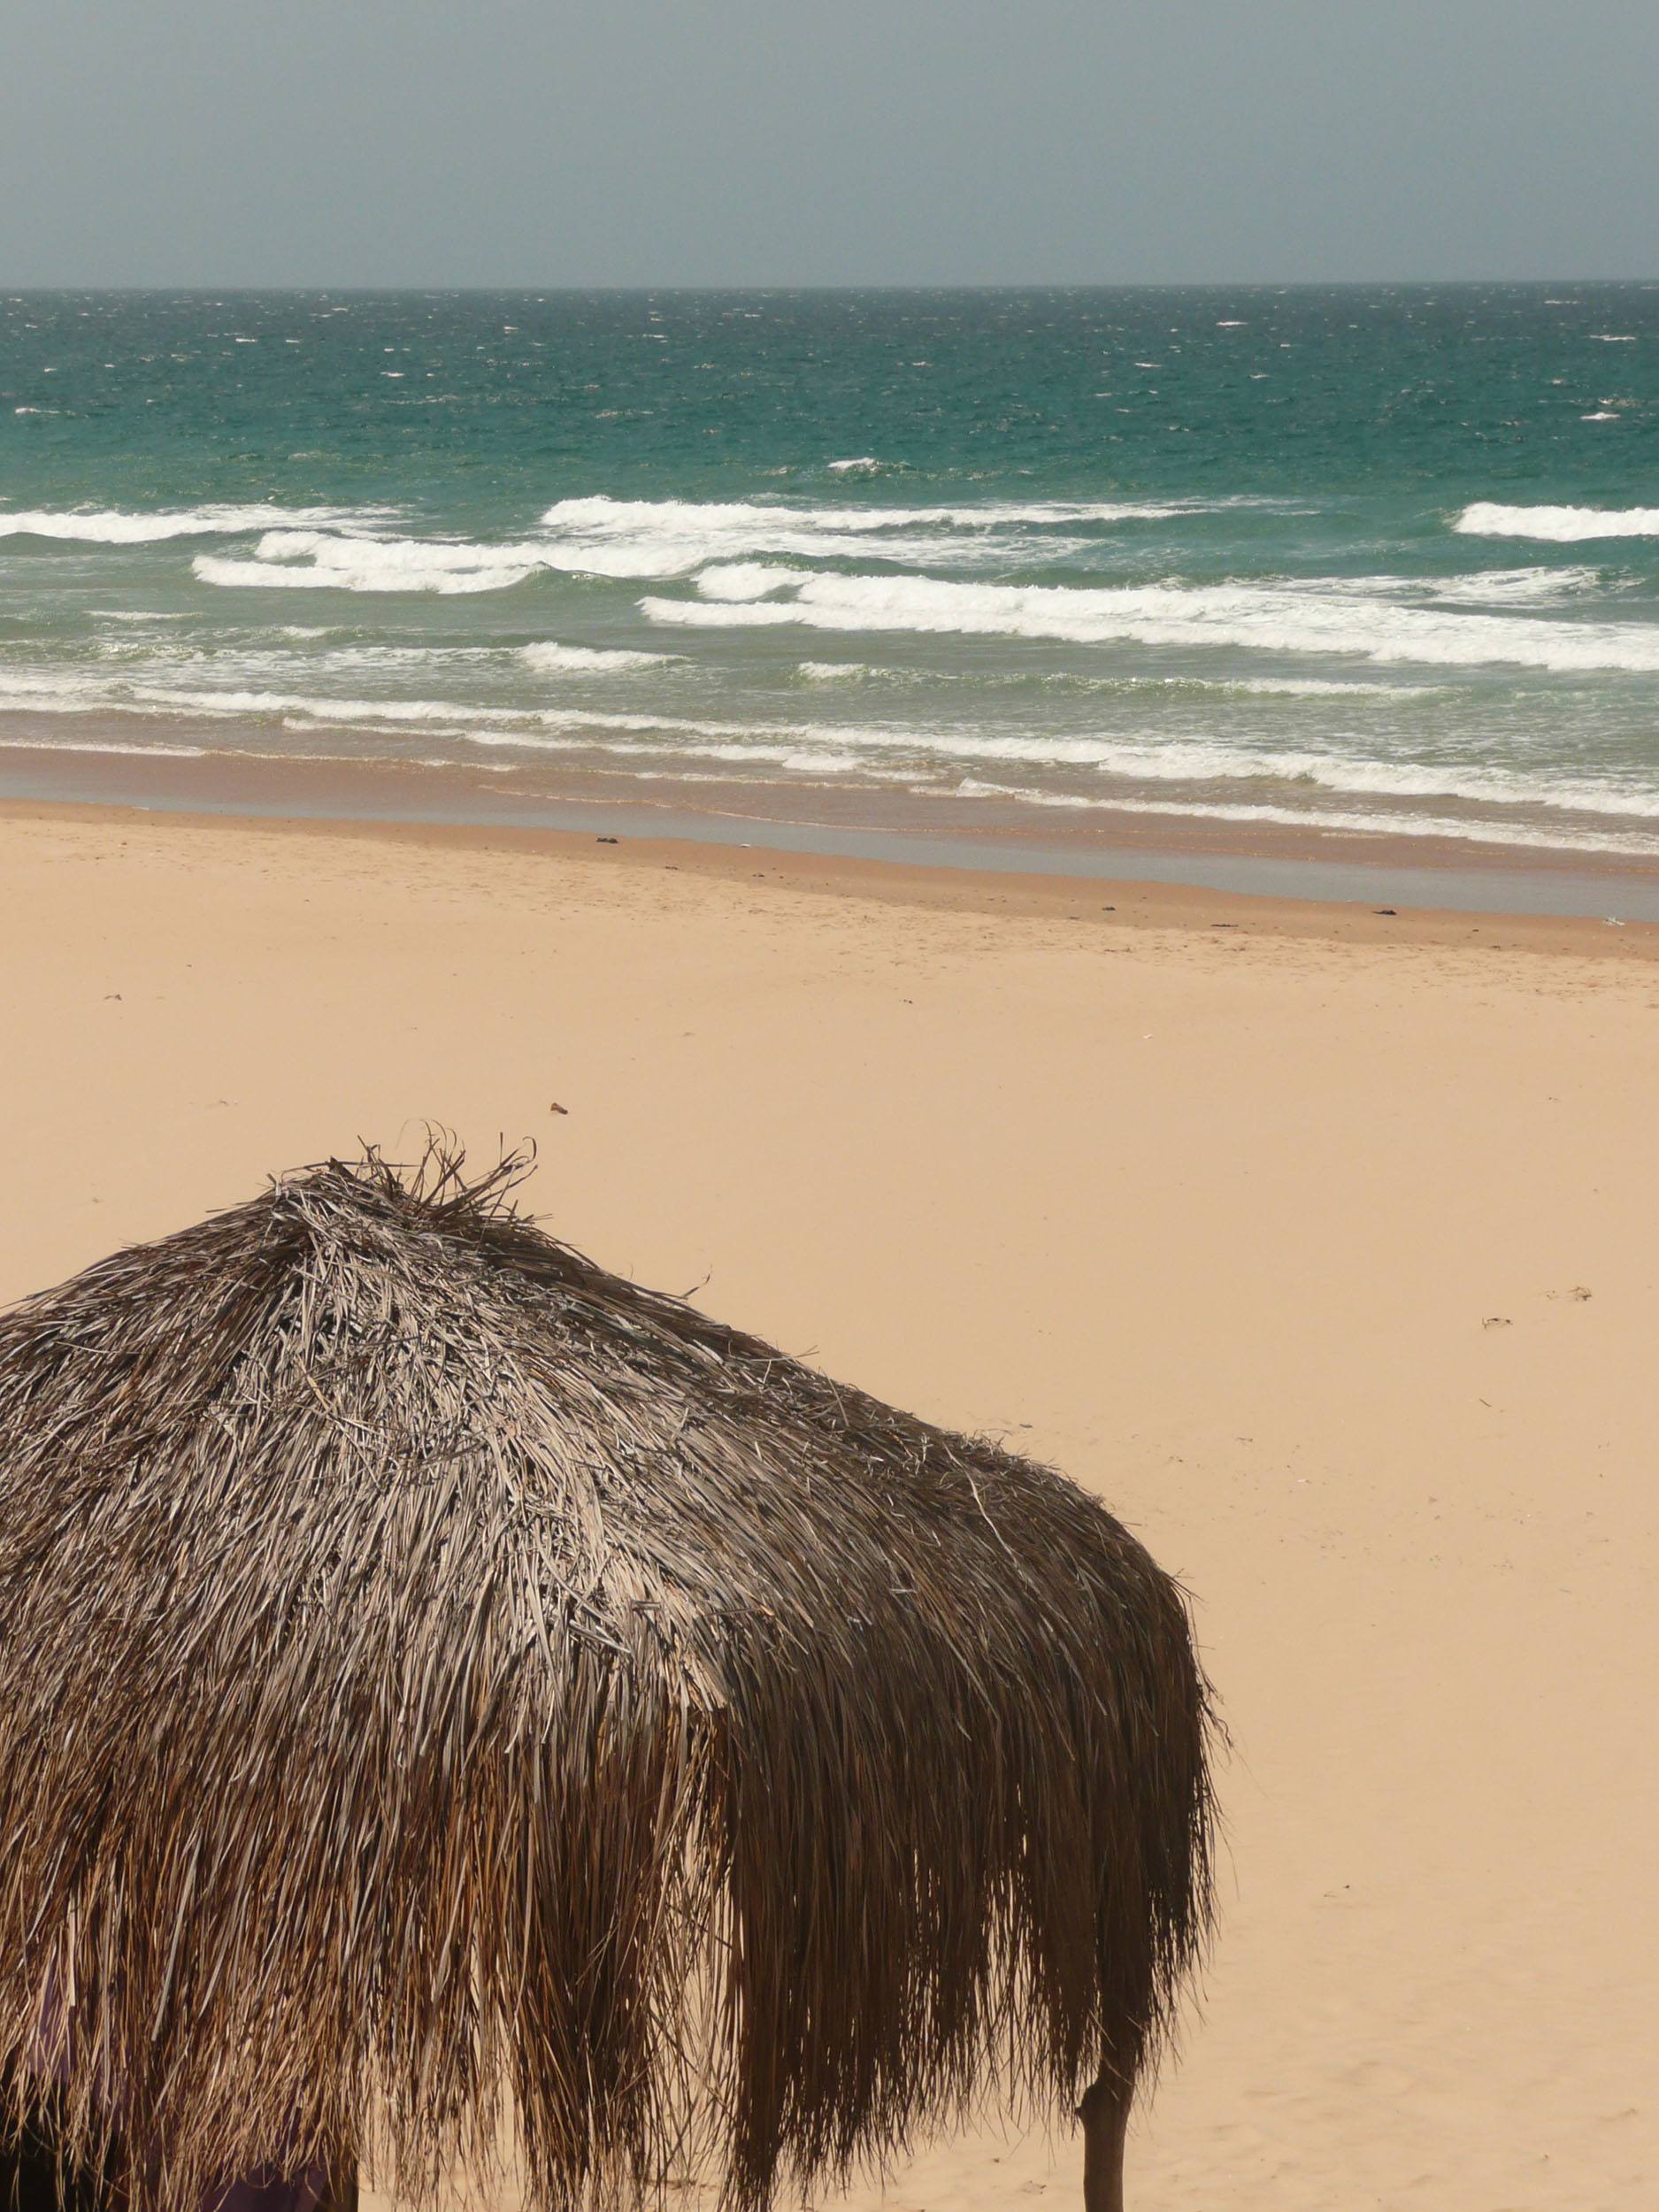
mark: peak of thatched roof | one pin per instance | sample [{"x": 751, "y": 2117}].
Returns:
[{"x": 438, "y": 1671}]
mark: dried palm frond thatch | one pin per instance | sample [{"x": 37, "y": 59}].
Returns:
[{"x": 441, "y": 1680}]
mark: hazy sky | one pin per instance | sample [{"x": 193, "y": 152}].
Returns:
[{"x": 824, "y": 141}]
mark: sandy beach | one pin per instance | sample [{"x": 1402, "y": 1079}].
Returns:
[{"x": 1319, "y": 1242}]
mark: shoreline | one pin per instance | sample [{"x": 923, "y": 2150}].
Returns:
[
  {"x": 1165, "y": 863},
  {"x": 931, "y": 886}
]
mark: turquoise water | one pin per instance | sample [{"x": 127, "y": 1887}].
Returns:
[{"x": 1378, "y": 559}]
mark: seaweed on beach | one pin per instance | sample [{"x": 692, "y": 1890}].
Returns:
[{"x": 454, "y": 1695}]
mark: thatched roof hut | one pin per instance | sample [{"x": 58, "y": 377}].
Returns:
[{"x": 443, "y": 1681}]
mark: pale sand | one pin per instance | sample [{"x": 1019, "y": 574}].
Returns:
[{"x": 1330, "y": 1261}]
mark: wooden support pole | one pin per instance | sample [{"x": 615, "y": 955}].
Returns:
[{"x": 1104, "y": 2113}]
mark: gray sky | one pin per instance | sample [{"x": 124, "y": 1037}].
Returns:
[{"x": 824, "y": 141}]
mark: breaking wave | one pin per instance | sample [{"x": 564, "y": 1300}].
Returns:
[
  {"x": 319, "y": 560},
  {"x": 87, "y": 526},
  {"x": 590, "y": 660},
  {"x": 1558, "y": 525},
  {"x": 662, "y": 538},
  {"x": 1264, "y": 618}
]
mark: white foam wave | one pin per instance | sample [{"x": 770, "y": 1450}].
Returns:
[
  {"x": 1514, "y": 586},
  {"x": 590, "y": 660},
  {"x": 319, "y": 560},
  {"x": 1483, "y": 587},
  {"x": 672, "y": 537},
  {"x": 1198, "y": 763},
  {"x": 255, "y": 656},
  {"x": 1261, "y": 617},
  {"x": 1560, "y": 526},
  {"x": 62, "y": 692},
  {"x": 112, "y": 526},
  {"x": 653, "y": 538}
]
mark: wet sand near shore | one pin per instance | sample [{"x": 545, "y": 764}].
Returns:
[{"x": 901, "y": 831}]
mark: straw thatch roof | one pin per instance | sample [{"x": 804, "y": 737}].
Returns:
[{"x": 442, "y": 1678}]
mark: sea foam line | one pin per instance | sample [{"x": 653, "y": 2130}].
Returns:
[
  {"x": 1189, "y": 762},
  {"x": 1259, "y": 617}
]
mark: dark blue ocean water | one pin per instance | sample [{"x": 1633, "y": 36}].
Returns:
[{"x": 1359, "y": 558}]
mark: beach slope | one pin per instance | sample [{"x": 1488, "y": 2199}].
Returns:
[{"x": 1321, "y": 1245}]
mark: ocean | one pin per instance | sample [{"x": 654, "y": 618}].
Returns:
[{"x": 1375, "y": 560}]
